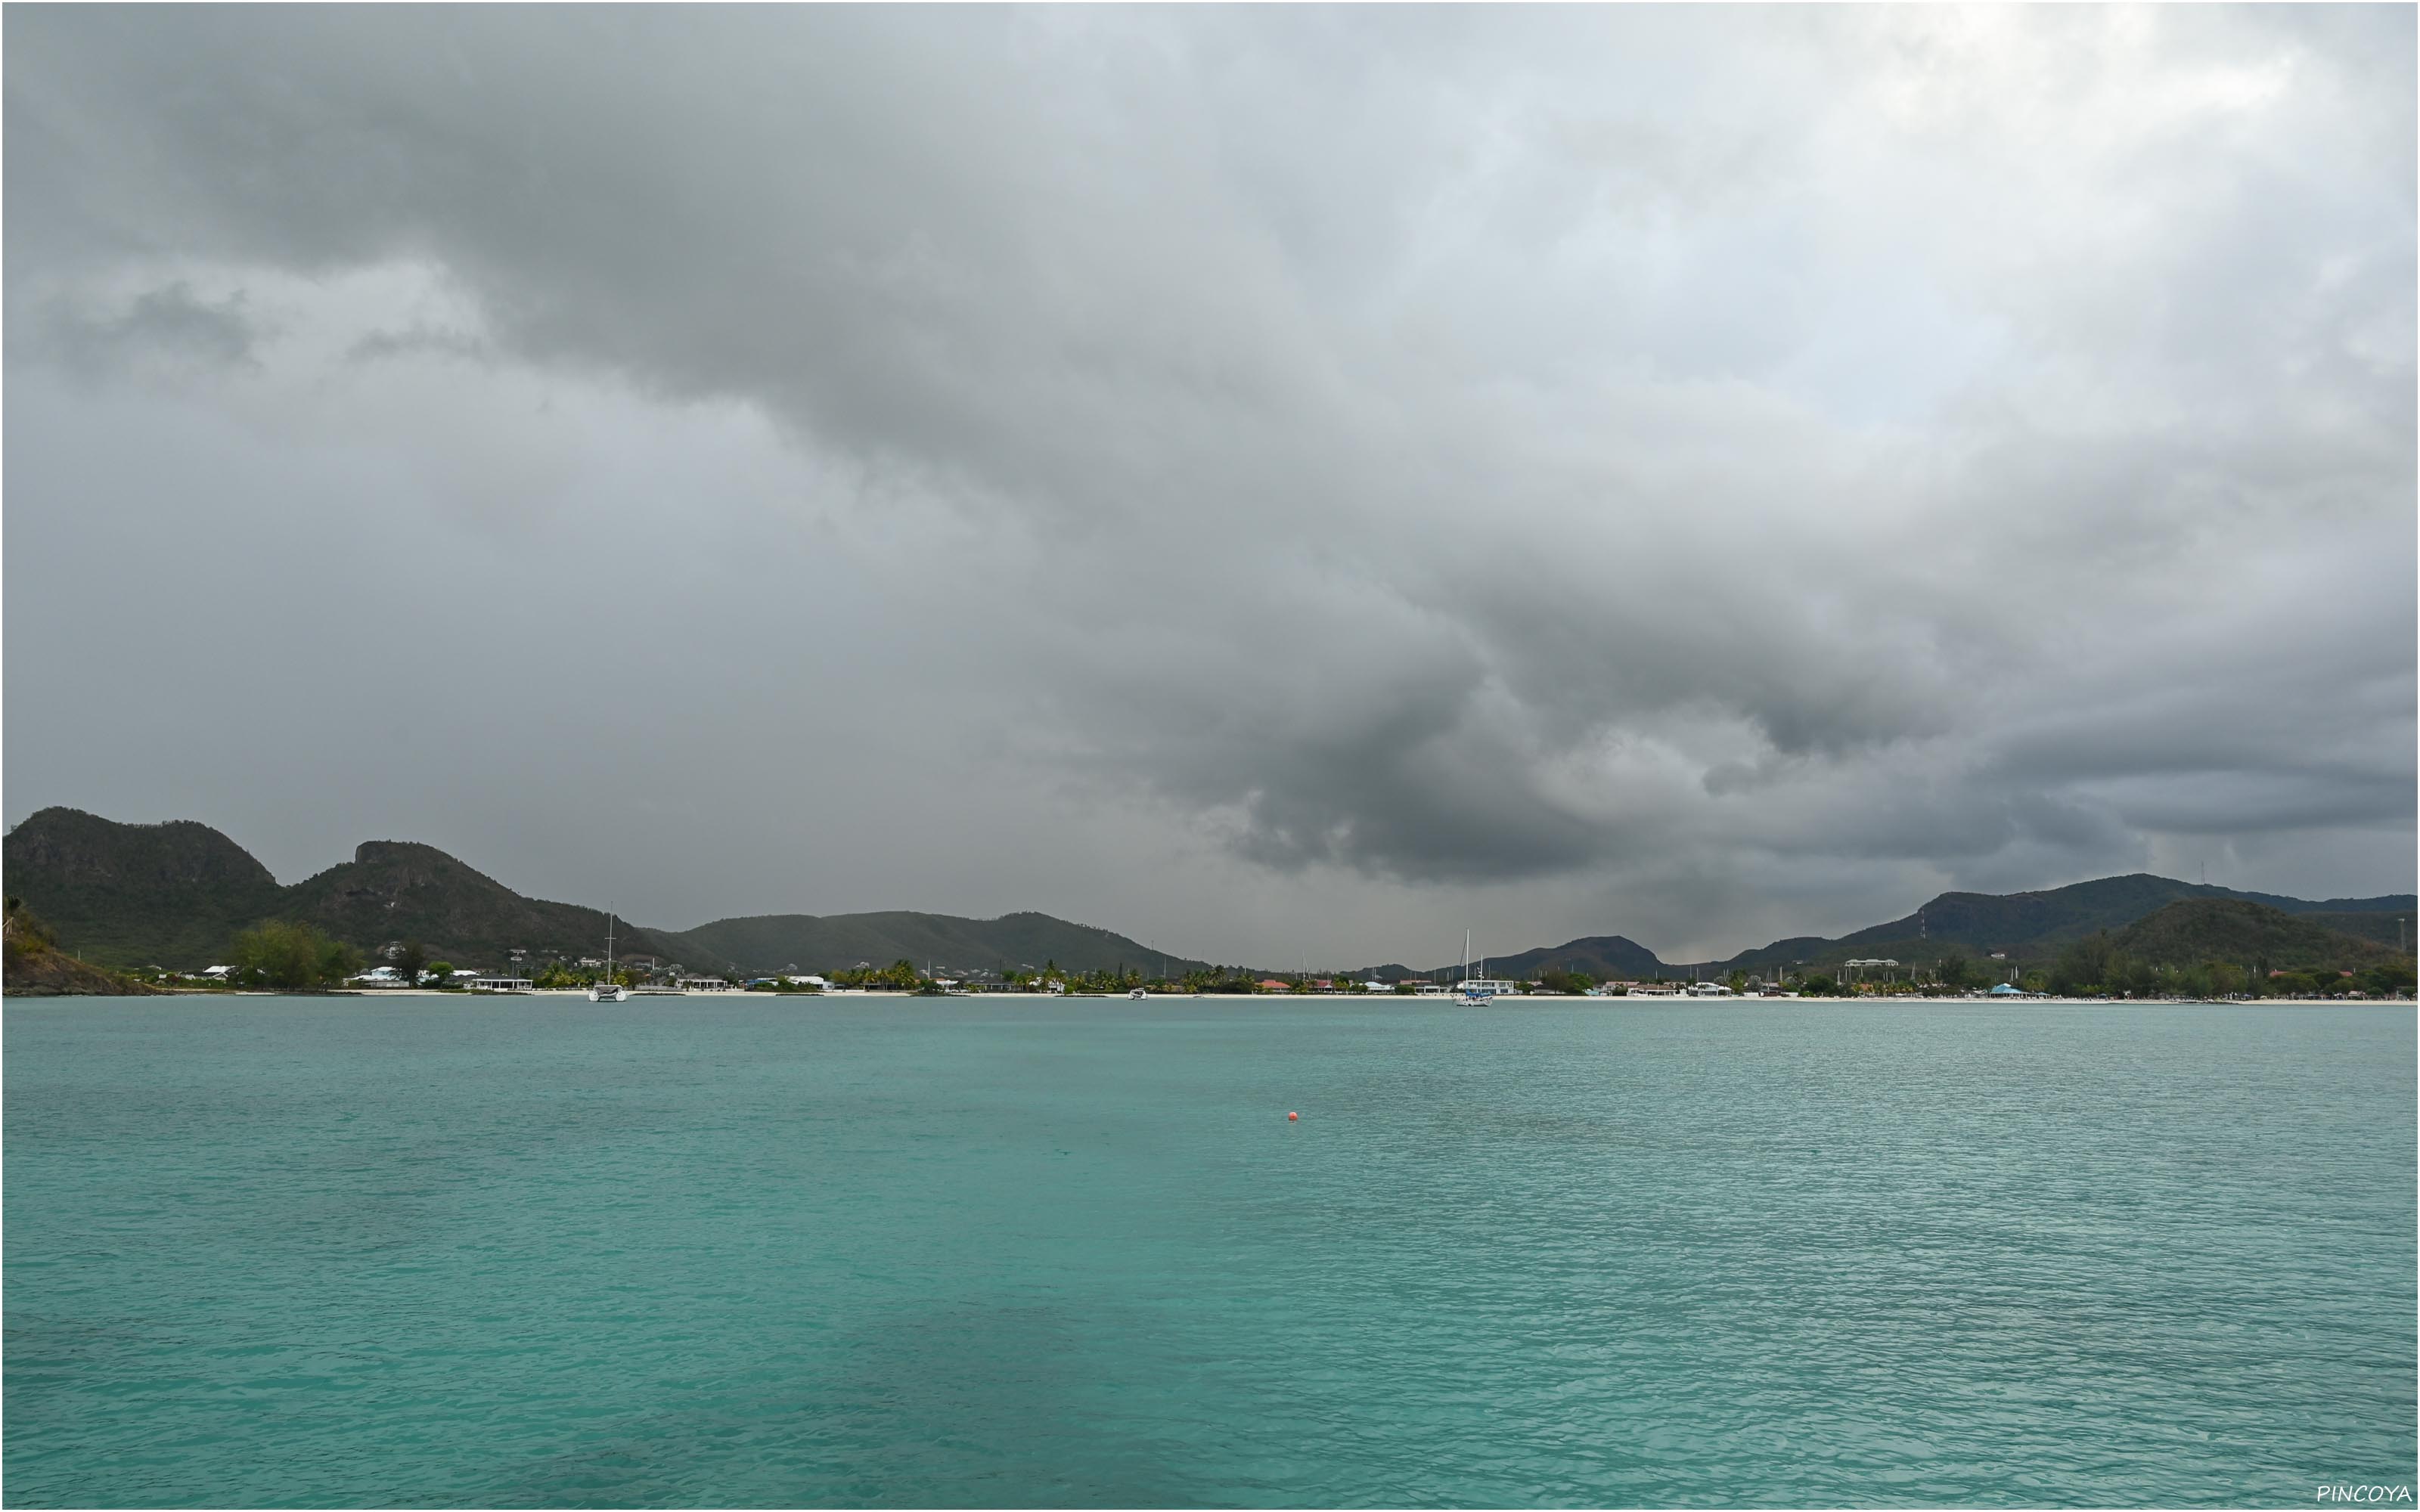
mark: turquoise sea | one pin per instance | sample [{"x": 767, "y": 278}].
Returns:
[{"x": 1009, "y": 1252}]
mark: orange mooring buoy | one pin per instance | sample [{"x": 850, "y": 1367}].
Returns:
[{"x": 1291, "y": 1117}]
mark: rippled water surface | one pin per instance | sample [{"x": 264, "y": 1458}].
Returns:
[{"x": 1007, "y": 1252}]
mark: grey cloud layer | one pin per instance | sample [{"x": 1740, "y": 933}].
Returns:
[{"x": 1652, "y": 449}]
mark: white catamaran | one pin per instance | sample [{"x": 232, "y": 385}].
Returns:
[{"x": 605, "y": 989}]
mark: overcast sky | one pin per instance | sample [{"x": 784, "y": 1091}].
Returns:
[{"x": 1288, "y": 485}]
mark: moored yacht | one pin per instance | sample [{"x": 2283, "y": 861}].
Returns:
[
  {"x": 1476, "y": 989},
  {"x": 605, "y": 989}
]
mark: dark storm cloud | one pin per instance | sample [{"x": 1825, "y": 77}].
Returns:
[
  {"x": 167, "y": 325},
  {"x": 1680, "y": 455}
]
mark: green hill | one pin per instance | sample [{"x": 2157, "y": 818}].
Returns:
[
  {"x": 2030, "y": 921},
  {"x": 178, "y": 894},
  {"x": 129, "y": 895},
  {"x": 806, "y": 942},
  {"x": 2033, "y": 925},
  {"x": 2379, "y": 925},
  {"x": 2248, "y": 933},
  {"x": 1606, "y": 957},
  {"x": 398, "y": 890},
  {"x": 2027, "y": 925}
]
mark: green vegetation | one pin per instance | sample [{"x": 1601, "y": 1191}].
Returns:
[
  {"x": 2199, "y": 948},
  {"x": 2105, "y": 965},
  {"x": 2379, "y": 925},
  {"x": 900, "y": 976},
  {"x": 783, "y": 942},
  {"x": 1602, "y": 957},
  {"x": 2229, "y": 929},
  {"x": 130, "y": 895},
  {"x": 35, "y": 966},
  {"x": 410, "y": 960},
  {"x": 292, "y": 957},
  {"x": 557, "y": 975}
]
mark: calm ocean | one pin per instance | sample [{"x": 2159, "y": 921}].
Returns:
[{"x": 1007, "y": 1252}]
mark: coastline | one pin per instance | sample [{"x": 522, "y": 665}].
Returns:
[{"x": 1307, "y": 999}]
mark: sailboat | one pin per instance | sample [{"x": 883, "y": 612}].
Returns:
[
  {"x": 1481, "y": 990},
  {"x": 1472, "y": 996},
  {"x": 605, "y": 989}
]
